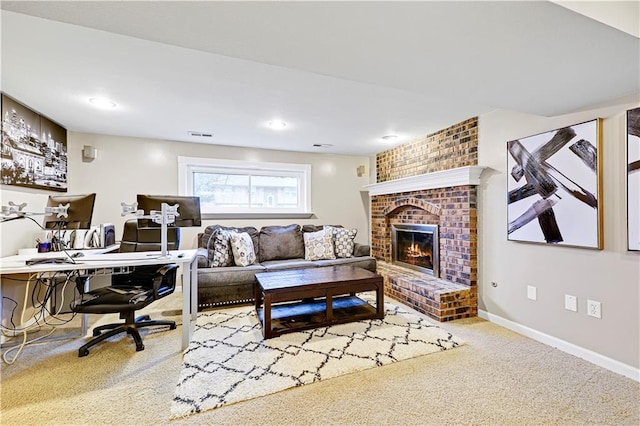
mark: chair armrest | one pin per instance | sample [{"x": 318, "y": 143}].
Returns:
[{"x": 161, "y": 276}]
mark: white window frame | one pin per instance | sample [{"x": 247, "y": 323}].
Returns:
[{"x": 187, "y": 166}]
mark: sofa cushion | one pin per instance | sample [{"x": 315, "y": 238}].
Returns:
[
  {"x": 280, "y": 242},
  {"x": 219, "y": 249},
  {"x": 361, "y": 250},
  {"x": 343, "y": 240},
  {"x": 278, "y": 265},
  {"x": 316, "y": 228},
  {"x": 242, "y": 247},
  {"x": 311, "y": 228},
  {"x": 203, "y": 239},
  {"x": 318, "y": 245},
  {"x": 364, "y": 262}
]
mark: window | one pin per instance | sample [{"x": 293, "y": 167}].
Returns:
[{"x": 230, "y": 187}]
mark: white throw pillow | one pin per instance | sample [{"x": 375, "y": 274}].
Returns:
[
  {"x": 343, "y": 240},
  {"x": 242, "y": 247},
  {"x": 318, "y": 245}
]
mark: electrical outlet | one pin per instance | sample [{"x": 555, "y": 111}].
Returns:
[
  {"x": 594, "y": 309},
  {"x": 571, "y": 303},
  {"x": 532, "y": 292}
]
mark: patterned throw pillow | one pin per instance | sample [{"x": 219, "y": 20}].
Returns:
[
  {"x": 219, "y": 249},
  {"x": 242, "y": 248},
  {"x": 343, "y": 240},
  {"x": 318, "y": 245}
]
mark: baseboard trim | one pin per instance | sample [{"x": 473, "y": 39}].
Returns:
[{"x": 586, "y": 354}]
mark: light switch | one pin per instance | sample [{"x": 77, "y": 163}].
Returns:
[{"x": 571, "y": 303}]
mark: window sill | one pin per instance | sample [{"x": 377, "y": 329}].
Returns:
[{"x": 210, "y": 216}]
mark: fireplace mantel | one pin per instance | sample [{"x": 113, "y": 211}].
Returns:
[{"x": 469, "y": 175}]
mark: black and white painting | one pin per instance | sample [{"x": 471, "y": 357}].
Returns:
[
  {"x": 633, "y": 178},
  {"x": 33, "y": 149},
  {"x": 554, "y": 187}
]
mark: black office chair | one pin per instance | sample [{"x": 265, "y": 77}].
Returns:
[
  {"x": 139, "y": 238},
  {"x": 127, "y": 294}
]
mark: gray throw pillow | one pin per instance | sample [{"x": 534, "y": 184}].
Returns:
[{"x": 281, "y": 242}]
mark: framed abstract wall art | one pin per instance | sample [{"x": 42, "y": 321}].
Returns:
[
  {"x": 633, "y": 179},
  {"x": 33, "y": 148},
  {"x": 554, "y": 187}
]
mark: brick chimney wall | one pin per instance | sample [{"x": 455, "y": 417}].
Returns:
[
  {"x": 455, "y": 146},
  {"x": 453, "y": 209}
]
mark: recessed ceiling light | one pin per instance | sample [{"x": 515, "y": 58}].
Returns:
[
  {"x": 102, "y": 103},
  {"x": 276, "y": 124},
  {"x": 390, "y": 138}
]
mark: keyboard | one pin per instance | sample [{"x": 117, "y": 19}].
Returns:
[{"x": 47, "y": 260}]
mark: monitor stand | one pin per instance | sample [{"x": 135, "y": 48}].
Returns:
[{"x": 164, "y": 244}]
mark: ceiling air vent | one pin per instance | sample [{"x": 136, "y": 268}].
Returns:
[
  {"x": 322, "y": 145},
  {"x": 201, "y": 134}
]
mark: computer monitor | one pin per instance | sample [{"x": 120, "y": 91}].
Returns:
[
  {"x": 78, "y": 215},
  {"x": 188, "y": 209}
]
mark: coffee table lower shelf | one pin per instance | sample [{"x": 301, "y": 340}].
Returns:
[{"x": 295, "y": 316}]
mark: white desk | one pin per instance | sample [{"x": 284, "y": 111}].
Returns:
[{"x": 96, "y": 259}]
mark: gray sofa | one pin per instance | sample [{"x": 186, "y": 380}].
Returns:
[{"x": 277, "y": 248}]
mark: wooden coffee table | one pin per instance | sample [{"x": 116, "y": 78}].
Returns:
[{"x": 300, "y": 299}]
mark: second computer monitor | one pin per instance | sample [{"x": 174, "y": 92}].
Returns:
[{"x": 188, "y": 209}]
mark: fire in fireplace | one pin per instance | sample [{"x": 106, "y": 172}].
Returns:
[{"x": 416, "y": 247}]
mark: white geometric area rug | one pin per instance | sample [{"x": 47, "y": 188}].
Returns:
[{"x": 228, "y": 360}]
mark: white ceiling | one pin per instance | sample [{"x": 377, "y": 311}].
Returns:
[{"x": 340, "y": 73}]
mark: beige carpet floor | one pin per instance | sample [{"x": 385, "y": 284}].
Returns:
[{"x": 497, "y": 378}]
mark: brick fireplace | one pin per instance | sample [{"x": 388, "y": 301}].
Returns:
[{"x": 431, "y": 181}]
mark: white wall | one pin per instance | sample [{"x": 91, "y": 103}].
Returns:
[
  {"x": 611, "y": 276},
  {"x": 21, "y": 233},
  {"x": 125, "y": 167}
]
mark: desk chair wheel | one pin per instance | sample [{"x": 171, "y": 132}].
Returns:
[
  {"x": 131, "y": 331},
  {"x": 83, "y": 352},
  {"x": 172, "y": 326}
]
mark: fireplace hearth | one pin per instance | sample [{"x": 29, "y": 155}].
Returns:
[{"x": 416, "y": 247}]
